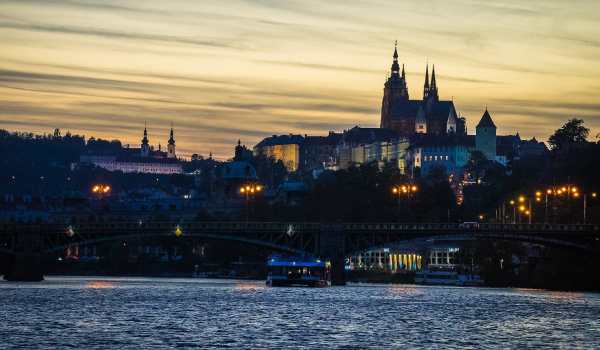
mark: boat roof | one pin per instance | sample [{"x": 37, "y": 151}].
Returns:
[{"x": 295, "y": 261}]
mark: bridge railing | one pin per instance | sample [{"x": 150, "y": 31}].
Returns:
[{"x": 235, "y": 226}]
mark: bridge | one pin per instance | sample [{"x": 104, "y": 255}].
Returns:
[{"x": 27, "y": 243}]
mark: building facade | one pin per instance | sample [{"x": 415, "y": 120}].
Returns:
[{"x": 145, "y": 160}]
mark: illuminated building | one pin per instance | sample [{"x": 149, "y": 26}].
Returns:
[
  {"x": 284, "y": 147},
  {"x": 144, "y": 160},
  {"x": 386, "y": 259}
]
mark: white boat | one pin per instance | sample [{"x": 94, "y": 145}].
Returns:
[{"x": 447, "y": 278}]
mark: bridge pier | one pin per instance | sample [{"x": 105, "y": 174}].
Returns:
[
  {"x": 25, "y": 264},
  {"x": 332, "y": 244},
  {"x": 25, "y": 268}
]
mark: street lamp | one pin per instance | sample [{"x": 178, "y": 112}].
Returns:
[
  {"x": 101, "y": 189},
  {"x": 249, "y": 189},
  {"x": 404, "y": 189}
]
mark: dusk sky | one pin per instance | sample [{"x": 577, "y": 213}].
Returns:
[{"x": 228, "y": 70}]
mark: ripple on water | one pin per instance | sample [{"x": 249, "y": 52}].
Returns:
[{"x": 144, "y": 312}]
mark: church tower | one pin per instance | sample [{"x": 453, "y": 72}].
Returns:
[
  {"x": 145, "y": 147},
  {"x": 395, "y": 91},
  {"x": 485, "y": 136},
  {"x": 171, "y": 145}
]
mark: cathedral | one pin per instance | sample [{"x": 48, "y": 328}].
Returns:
[{"x": 409, "y": 117}]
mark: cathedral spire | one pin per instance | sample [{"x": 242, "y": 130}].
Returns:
[
  {"x": 426, "y": 86},
  {"x": 395, "y": 65},
  {"x": 433, "y": 90}
]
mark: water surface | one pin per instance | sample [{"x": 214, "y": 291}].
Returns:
[{"x": 134, "y": 313}]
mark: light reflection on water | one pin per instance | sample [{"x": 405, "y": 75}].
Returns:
[{"x": 162, "y": 313}]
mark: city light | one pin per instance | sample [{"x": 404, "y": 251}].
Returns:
[
  {"x": 101, "y": 189},
  {"x": 405, "y": 189},
  {"x": 250, "y": 189}
]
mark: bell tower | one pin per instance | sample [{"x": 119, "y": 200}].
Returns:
[
  {"x": 145, "y": 147},
  {"x": 171, "y": 145},
  {"x": 395, "y": 91}
]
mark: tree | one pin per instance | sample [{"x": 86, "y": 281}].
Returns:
[{"x": 573, "y": 132}]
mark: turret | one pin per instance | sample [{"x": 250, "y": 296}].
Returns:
[{"x": 485, "y": 136}]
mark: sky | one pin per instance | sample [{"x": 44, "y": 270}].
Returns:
[{"x": 231, "y": 69}]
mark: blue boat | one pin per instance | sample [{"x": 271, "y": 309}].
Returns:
[{"x": 298, "y": 271}]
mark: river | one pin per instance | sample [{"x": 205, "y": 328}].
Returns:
[{"x": 136, "y": 313}]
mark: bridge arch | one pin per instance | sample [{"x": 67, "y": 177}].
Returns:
[{"x": 232, "y": 238}]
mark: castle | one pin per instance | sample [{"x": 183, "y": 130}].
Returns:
[{"x": 428, "y": 115}]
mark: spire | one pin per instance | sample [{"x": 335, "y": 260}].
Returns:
[
  {"x": 426, "y": 86},
  {"x": 433, "y": 90},
  {"x": 171, "y": 138},
  {"x": 145, "y": 138},
  {"x": 395, "y": 65},
  {"x": 403, "y": 74}
]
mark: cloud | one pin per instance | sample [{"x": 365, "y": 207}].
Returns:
[{"x": 111, "y": 34}]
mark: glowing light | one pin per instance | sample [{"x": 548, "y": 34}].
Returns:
[
  {"x": 522, "y": 208},
  {"x": 414, "y": 188},
  {"x": 576, "y": 195},
  {"x": 512, "y": 202},
  {"x": 594, "y": 194},
  {"x": 178, "y": 231},
  {"x": 538, "y": 194},
  {"x": 521, "y": 199},
  {"x": 549, "y": 191},
  {"x": 395, "y": 190},
  {"x": 574, "y": 189}
]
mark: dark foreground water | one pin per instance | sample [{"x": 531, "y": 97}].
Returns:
[{"x": 140, "y": 313}]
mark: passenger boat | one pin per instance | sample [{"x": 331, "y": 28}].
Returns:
[
  {"x": 298, "y": 271},
  {"x": 447, "y": 278}
]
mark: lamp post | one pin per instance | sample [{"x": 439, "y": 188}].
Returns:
[
  {"x": 404, "y": 190},
  {"x": 593, "y": 195},
  {"x": 249, "y": 190}
]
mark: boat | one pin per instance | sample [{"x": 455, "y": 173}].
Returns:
[
  {"x": 298, "y": 271},
  {"x": 447, "y": 278}
]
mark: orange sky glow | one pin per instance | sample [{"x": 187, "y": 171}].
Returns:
[{"x": 228, "y": 70}]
